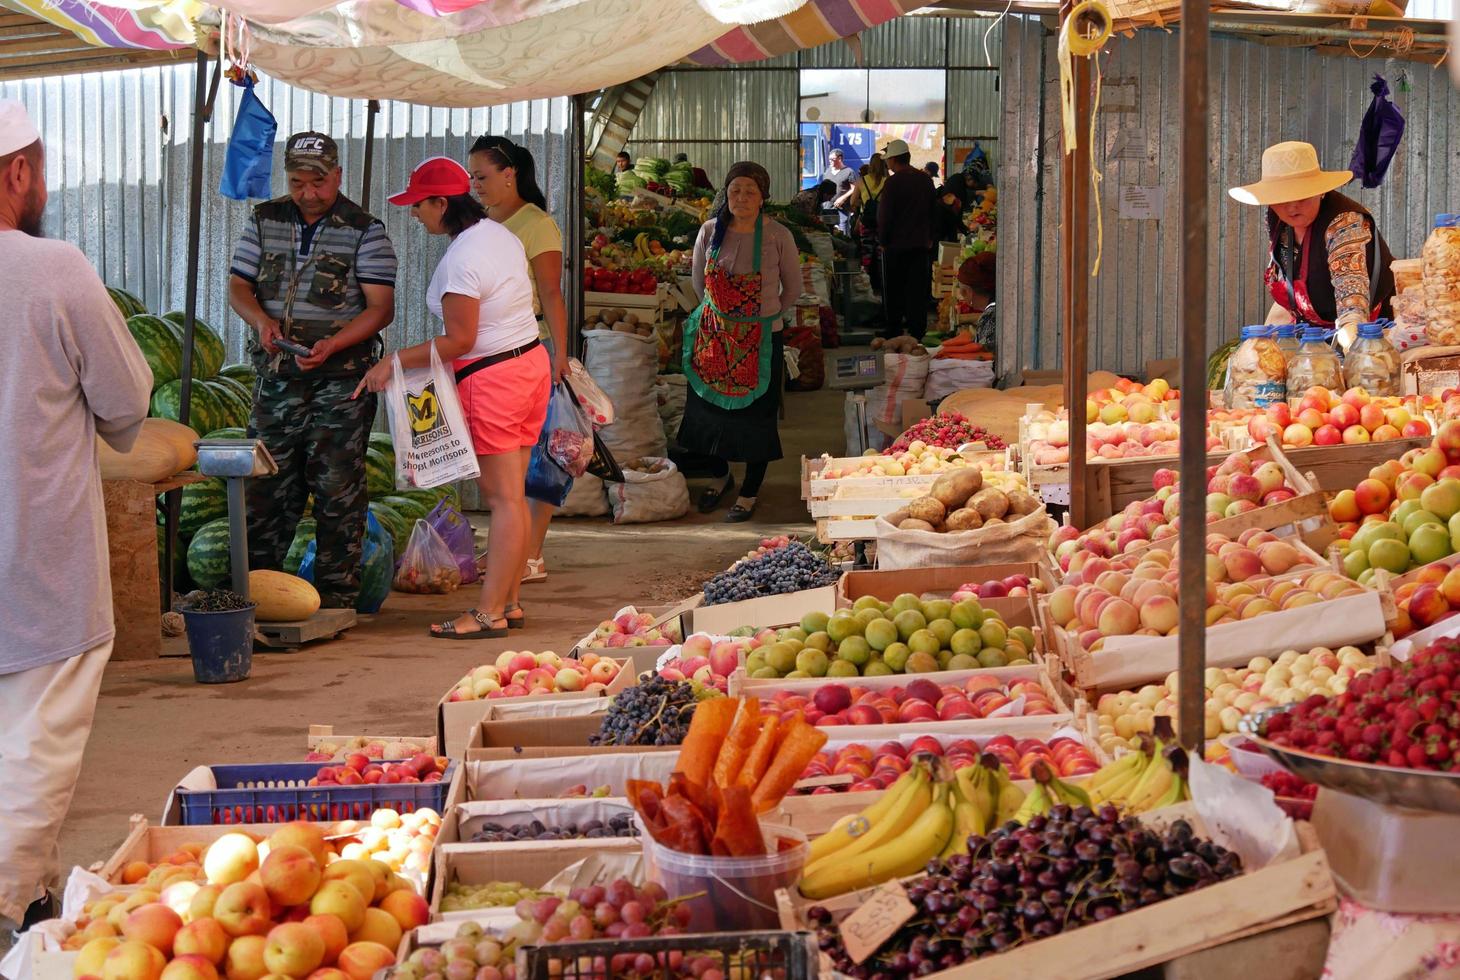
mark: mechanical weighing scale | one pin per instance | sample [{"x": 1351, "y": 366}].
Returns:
[{"x": 234, "y": 461}]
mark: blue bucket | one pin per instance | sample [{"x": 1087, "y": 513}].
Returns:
[{"x": 221, "y": 644}]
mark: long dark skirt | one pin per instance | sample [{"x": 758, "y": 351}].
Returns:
[{"x": 740, "y": 435}]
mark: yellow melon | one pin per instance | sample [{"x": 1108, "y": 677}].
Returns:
[
  {"x": 163, "y": 448},
  {"x": 281, "y": 598}
]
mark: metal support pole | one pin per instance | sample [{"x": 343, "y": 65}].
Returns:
[
  {"x": 238, "y": 536},
  {"x": 1192, "y": 301},
  {"x": 371, "y": 108},
  {"x": 1075, "y": 284},
  {"x": 575, "y": 229},
  {"x": 173, "y": 499}
]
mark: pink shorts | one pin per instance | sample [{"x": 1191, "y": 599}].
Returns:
[{"x": 506, "y": 404}]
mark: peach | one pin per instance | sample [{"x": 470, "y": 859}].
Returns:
[
  {"x": 360, "y": 960},
  {"x": 1427, "y": 605},
  {"x": 190, "y": 967},
  {"x": 293, "y": 949},
  {"x": 245, "y": 959},
  {"x": 357, "y": 873},
  {"x": 92, "y": 956},
  {"x": 203, "y": 937},
  {"x": 380, "y": 927},
  {"x": 1279, "y": 556},
  {"x": 1242, "y": 564},
  {"x": 1118, "y": 618},
  {"x": 243, "y": 909},
  {"x": 133, "y": 960},
  {"x": 1160, "y": 613},
  {"x": 290, "y": 874},
  {"x": 341, "y": 899},
  {"x": 154, "y": 924},
  {"x": 231, "y": 858},
  {"x": 201, "y": 907},
  {"x": 329, "y": 973},
  {"x": 1062, "y": 604},
  {"x": 336, "y": 937}
]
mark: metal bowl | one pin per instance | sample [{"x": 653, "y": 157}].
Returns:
[{"x": 1414, "y": 788}]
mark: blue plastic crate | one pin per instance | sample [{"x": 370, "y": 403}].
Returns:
[{"x": 280, "y": 792}]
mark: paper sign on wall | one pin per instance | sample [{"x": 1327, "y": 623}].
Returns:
[{"x": 1142, "y": 203}]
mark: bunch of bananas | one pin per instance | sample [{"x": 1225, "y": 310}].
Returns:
[
  {"x": 1049, "y": 791},
  {"x": 1149, "y": 778}
]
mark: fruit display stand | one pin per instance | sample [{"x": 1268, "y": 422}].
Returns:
[
  {"x": 455, "y": 719},
  {"x": 1337, "y": 467},
  {"x": 1127, "y": 661},
  {"x": 767, "y": 611},
  {"x": 942, "y": 582},
  {"x": 531, "y": 866},
  {"x": 564, "y": 773},
  {"x": 151, "y": 843},
  {"x": 645, "y": 657},
  {"x": 280, "y": 792},
  {"x": 651, "y": 304},
  {"x": 321, "y": 737},
  {"x": 815, "y": 487},
  {"x": 1281, "y": 894},
  {"x": 131, "y": 531},
  {"x": 466, "y": 819}
]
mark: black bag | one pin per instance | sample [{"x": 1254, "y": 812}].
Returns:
[
  {"x": 602, "y": 465},
  {"x": 869, "y": 208}
]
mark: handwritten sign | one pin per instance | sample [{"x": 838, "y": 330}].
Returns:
[
  {"x": 874, "y": 922},
  {"x": 1142, "y": 203}
]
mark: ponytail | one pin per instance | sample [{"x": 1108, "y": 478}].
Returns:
[{"x": 504, "y": 154}]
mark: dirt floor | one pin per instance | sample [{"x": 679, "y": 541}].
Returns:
[{"x": 153, "y": 723}]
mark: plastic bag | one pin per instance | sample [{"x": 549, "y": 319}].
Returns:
[
  {"x": 427, "y": 428},
  {"x": 249, "y": 158},
  {"x": 569, "y": 433},
  {"x": 1379, "y": 136},
  {"x": 456, "y": 531},
  {"x": 546, "y": 480},
  {"x": 377, "y": 563},
  {"x": 428, "y": 566},
  {"x": 595, "y": 404}
]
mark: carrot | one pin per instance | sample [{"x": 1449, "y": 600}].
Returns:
[
  {"x": 801, "y": 742},
  {"x": 707, "y": 729},
  {"x": 737, "y": 745},
  {"x": 760, "y": 754}
]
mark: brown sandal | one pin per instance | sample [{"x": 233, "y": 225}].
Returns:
[{"x": 447, "y": 630}]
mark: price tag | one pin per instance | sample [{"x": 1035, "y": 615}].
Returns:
[{"x": 876, "y": 920}]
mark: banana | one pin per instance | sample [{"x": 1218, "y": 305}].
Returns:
[
  {"x": 896, "y": 822},
  {"x": 1174, "y": 795},
  {"x": 967, "y": 821},
  {"x": 1155, "y": 781},
  {"x": 1104, "y": 785},
  {"x": 902, "y": 855},
  {"x": 1036, "y": 802},
  {"x": 1068, "y": 793},
  {"x": 980, "y": 786},
  {"x": 854, "y": 826},
  {"x": 1010, "y": 799}
]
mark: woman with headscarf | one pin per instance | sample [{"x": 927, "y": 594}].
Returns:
[
  {"x": 747, "y": 273},
  {"x": 1328, "y": 264}
]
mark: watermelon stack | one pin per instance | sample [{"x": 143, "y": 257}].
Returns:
[
  {"x": 159, "y": 344},
  {"x": 202, "y": 503},
  {"x": 207, "y": 410},
  {"x": 128, "y": 304},
  {"x": 379, "y": 473},
  {"x": 209, "y": 555},
  {"x": 207, "y": 345}
]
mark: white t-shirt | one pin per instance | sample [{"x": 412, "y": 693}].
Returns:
[{"x": 488, "y": 261}]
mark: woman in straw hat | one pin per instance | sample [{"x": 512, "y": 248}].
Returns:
[{"x": 1329, "y": 266}]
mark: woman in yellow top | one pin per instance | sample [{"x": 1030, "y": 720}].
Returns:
[{"x": 504, "y": 178}]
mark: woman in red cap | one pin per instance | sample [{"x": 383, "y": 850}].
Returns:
[{"x": 481, "y": 290}]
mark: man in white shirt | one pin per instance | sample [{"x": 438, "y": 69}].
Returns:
[{"x": 71, "y": 372}]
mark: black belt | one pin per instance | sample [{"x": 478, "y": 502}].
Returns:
[{"x": 485, "y": 362}]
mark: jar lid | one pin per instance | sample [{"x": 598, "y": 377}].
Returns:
[
  {"x": 1254, "y": 331},
  {"x": 1447, "y": 220},
  {"x": 1286, "y": 330},
  {"x": 1371, "y": 331}
]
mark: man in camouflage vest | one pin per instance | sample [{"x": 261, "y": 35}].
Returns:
[{"x": 315, "y": 269}]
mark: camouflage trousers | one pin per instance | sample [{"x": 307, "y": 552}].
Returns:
[{"x": 318, "y": 435}]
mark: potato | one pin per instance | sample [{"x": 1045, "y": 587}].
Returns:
[
  {"x": 990, "y": 503},
  {"x": 913, "y": 524},
  {"x": 994, "y": 520},
  {"x": 927, "y": 509},
  {"x": 1023, "y": 502},
  {"x": 897, "y": 517},
  {"x": 631, "y": 318},
  {"x": 952, "y": 490},
  {"x": 964, "y": 519},
  {"x": 617, "y": 313}
]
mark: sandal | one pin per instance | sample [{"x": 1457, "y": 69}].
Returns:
[
  {"x": 515, "y": 622},
  {"x": 711, "y": 497},
  {"x": 447, "y": 630},
  {"x": 536, "y": 570}
]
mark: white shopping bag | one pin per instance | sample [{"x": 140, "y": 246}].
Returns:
[{"x": 427, "y": 427}]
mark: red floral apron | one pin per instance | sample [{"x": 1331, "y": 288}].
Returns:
[
  {"x": 1291, "y": 292},
  {"x": 727, "y": 345}
]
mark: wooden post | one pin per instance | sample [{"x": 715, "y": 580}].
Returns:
[{"x": 1075, "y": 280}]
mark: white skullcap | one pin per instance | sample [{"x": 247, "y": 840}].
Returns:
[{"x": 16, "y": 130}]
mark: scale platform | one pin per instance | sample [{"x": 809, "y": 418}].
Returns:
[{"x": 327, "y": 624}]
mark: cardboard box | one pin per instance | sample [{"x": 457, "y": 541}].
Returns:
[
  {"x": 455, "y": 719},
  {"x": 532, "y": 866},
  {"x": 1429, "y": 370},
  {"x": 775, "y": 610},
  {"x": 552, "y": 775}
]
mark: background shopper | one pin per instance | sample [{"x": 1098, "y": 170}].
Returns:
[
  {"x": 504, "y": 179},
  {"x": 747, "y": 273},
  {"x": 481, "y": 290},
  {"x": 71, "y": 372},
  {"x": 905, "y": 232}
]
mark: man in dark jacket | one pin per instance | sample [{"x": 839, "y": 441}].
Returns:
[{"x": 905, "y": 231}]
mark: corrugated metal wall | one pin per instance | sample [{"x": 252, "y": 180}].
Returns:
[
  {"x": 1260, "y": 95},
  {"x": 719, "y": 116},
  {"x": 118, "y": 159}
]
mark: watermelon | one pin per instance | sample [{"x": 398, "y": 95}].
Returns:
[
  {"x": 208, "y": 555},
  {"x": 426, "y": 498},
  {"x": 303, "y": 537},
  {"x": 381, "y": 443},
  {"x": 240, "y": 389},
  {"x": 411, "y": 510},
  {"x": 158, "y": 341},
  {"x": 394, "y": 523},
  {"x": 242, "y": 373},
  {"x": 207, "y": 345},
  {"x": 202, "y": 503},
  {"x": 128, "y": 304},
  {"x": 232, "y": 432},
  {"x": 236, "y": 409},
  {"x": 379, "y": 473},
  {"x": 208, "y": 411}
]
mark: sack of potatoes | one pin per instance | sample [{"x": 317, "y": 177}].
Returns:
[
  {"x": 620, "y": 320},
  {"x": 899, "y": 345},
  {"x": 959, "y": 501}
]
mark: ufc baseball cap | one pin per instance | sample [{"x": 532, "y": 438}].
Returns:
[
  {"x": 311, "y": 151},
  {"x": 434, "y": 177}
]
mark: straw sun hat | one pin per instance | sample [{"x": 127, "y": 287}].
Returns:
[{"x": 1290, "y": 172}]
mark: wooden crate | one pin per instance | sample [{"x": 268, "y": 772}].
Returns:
[
  {"x": 151, "y": 842},
  {"x": 1281, "y": 894},
  {"x": 319, "y": 734},
  {"x": 1335, "y": 468}
]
